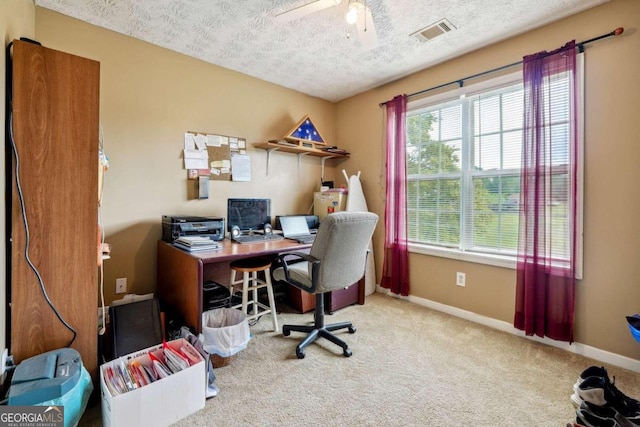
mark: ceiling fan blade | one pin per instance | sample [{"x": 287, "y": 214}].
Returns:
[
  {"x": 305, "y": 9},
  {"x": 367, "y": 31}
]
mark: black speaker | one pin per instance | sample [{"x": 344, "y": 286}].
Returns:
[
  {"x": 267, "y": 229},
  {"x": 235, "y": 231}
]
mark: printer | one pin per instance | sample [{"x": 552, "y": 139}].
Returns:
[{"x": 176, "y": 226}]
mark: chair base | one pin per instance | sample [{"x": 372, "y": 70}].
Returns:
[{"x": 319, "y": 330}]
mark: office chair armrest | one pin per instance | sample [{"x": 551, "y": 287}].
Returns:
[{"x": 300, "y": 256}]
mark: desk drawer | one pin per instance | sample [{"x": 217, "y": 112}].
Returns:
[{"x": 342, "y": 298}]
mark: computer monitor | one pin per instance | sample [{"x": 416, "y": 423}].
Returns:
[{"x": 248, "y": 214}]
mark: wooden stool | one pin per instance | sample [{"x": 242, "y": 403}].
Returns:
[{"x": 249, "y": 267}]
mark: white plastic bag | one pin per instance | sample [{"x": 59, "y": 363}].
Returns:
[
  {"x": 225, "y": 331},
  {"x": 211, "y": 389}
]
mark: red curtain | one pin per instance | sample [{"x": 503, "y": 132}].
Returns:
[
  {"x": 395, "y": 269},
  {"x": 545, "y": 290}
]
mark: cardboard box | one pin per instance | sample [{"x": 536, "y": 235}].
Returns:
[
  {"x": 327, "y": 202},
  {"x": 161, "y": 403}
]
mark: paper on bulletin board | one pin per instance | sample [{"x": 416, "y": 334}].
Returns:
[
  {"x": 240, "y": 147},
  {"x": 241, "y": 167},
  {"x": 189, "y": 141},
  {"x": 217, "y": 140},
  {"x": 196, "y": 159},
  {"x": 195, "y": 152}
]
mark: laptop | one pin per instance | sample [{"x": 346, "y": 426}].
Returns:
[{"x": 296, "y": 228}]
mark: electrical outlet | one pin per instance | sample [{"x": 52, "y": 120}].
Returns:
[
  {"x": 460, "y": 279},
  {"x": 121, "y": 285}
]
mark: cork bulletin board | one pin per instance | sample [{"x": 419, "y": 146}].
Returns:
[{"x": 210, "y": 154}]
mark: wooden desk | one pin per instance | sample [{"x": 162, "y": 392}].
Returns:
[{"x": 181, "y": 274}]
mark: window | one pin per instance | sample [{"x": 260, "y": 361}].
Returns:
[{"x": 463, "y": 168}]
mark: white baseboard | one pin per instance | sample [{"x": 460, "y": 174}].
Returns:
[{"x": 577, "y": 348}]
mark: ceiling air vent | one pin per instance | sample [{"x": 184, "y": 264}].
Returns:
[{"x": 434, "y": 30}]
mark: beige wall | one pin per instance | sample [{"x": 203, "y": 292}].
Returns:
[
  {"x": 149, "y": 97},
  {"x": 17, "y": 19},
  {"x": 611, "y": 285}
]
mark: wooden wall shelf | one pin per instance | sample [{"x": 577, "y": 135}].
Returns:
[{"x": 301, "y": 148}]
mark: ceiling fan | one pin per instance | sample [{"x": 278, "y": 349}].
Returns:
[{"x": 358, "y": 13}]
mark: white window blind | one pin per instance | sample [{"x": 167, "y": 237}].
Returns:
[{"x": 463, "y": 167}]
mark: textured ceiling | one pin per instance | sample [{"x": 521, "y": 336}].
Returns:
[{"x": 319, "y": 54}]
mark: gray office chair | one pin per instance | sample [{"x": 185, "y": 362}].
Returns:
[{"x": 337, "y": 260}]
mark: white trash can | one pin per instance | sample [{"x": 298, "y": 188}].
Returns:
[{"x": 225, "y": 332}]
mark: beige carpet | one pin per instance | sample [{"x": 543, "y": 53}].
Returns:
[{"x": 411, "y": 366}]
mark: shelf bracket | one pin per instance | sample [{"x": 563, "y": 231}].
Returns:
[
  {"x": 324, "y": 159},
  {"x": 300, "y": 158},
  {"x": 269, "y": 157}
]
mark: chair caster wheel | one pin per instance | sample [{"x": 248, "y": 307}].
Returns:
[
  {"x": 300, "y": 354},
  {"x": 346, "y": 352},
  {"x": 286, "y": 332},
  {"x": 352, "y": 330}
]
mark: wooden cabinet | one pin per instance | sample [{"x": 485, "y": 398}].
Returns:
[{"x": 55, "y": 99}]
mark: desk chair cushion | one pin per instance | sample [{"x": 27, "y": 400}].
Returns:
[{"x": 298, "y": 272}]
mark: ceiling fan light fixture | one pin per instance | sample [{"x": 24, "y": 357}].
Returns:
[
  {"x": 354, "y": 8},
  {"x": 352, "y": 16}
]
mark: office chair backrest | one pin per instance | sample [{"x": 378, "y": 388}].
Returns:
[{"x": 341, "y": 246}]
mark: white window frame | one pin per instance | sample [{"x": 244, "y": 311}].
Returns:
[{"x": 508, "y": 261}]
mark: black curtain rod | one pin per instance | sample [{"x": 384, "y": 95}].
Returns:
[{"x": 461, "y": 81}]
